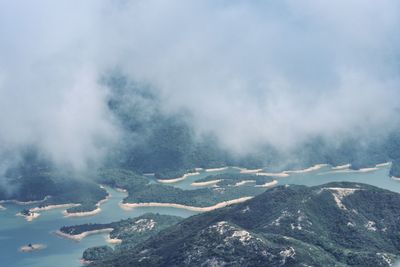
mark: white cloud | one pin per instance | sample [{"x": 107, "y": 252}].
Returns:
[{"x": 248, "y": 71}]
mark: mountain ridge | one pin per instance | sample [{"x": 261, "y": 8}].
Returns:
[{"x": 335, "y": 224}]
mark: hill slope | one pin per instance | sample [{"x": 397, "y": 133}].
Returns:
[{"x": 336, "y": 224}]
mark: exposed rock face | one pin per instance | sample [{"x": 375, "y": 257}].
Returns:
[{"x": 337, "y": 224}]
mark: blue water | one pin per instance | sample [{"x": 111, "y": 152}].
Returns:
[{"x": 16, "y": 232}]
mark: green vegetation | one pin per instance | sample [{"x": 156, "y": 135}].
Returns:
[
  {"x": 97, "y": 253},
  {"x": 130, "y": 231},
  {"x": 122, "y": 178},
  {"x": 35, "y": 179},
  {"x": 200, "y": 197},
  {"x": 167, "y": 145},
  {"x": 141, "y": 189},
  {"x": 285, "y": 226}
]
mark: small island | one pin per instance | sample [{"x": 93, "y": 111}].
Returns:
[
  {"x": 28, "y": 215},
  {"x": 32, "y": 247}
]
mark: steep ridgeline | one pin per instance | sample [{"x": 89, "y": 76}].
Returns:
[{"x": 336, "y": 224}]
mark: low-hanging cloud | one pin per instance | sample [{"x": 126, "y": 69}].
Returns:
[{"x": 250, "y": 72}]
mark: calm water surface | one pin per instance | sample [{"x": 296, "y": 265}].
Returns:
[{"x": 15, "y": 232}]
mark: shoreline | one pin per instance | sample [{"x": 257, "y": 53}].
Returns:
[
  {"x": 212, "y": 182},
  {"x": 178, "y": 179},
  {"x": 268, "y": 184},
  {"x": 383, "y": 164},
  {"x": 113, "y": 241},
  {"x": 81, "y": 213},
  {"x": 244, "y": 182},
  {"x": 216, "y": 169},
  {"x": 341, "y": 167},
  {"x": 275, "y": 174},
  {"x": 55, "y": 206},
  {"x": 79, "y": 237},
  {"x": 24, "y": 202},
  {"x": 368, "y": 169},
  {"x": 346, "y": 169},
  {"x": 32, "y": 247},
  {"x": 87, "y": 213},
  {"x": 310, "y": 169},
  {"x": 245, "y": 170},
  {"x": 130, "y": 206},
  {"x": 30, "y": 217},
  {"x": 85, "y": 262}
]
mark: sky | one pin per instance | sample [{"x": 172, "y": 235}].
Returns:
[{"x": 249, "y": 72}]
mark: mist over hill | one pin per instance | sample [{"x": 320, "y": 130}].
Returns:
[
  {"x": 161, "y": 87},
  {"x": 122, "y": 115}
]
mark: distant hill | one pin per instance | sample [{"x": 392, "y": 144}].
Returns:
[
  {"x": 35, "y": 179},
  {"x": 335, "y": 224},
  {"x": 166, "y": 144}
]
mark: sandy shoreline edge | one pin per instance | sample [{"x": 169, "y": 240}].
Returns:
[
  {"x": 34, "y": 212},
  {"x": 268, "y": 184},
  {"x": 130, "y": 206},
  {"x": 23, "y": 202},
  {"x": 244, "y": 182},
  {"x": 341, "y": 167},
  {"x": 32, "y": 247},
  {"x": 346, "y": 168},
  {"x": 82, "y": 235},
  {"x": 87, "y": 213},
  {"x": 30, "y": 217},
  {"x": 175, "y": 180},
  {"x": 213, "y": 182},
  {"x": 216, "y": 169},
  {"x": 275, "y": 174}
]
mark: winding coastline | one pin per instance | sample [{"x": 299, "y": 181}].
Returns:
[
  {"x": 87, "y": 213},
  {"x": 245, "y": 170},
  {"x": 341, "y": 167},
  {"x": 130, "y": 206},
  {"x": 310, "y": 169},
  {"x": 346, "y": 169},
  {"x": 24, "y": 202},
  {"x": 82, "y": 235},
  {"x": 268, "y": 184},
  {"x": 212, "y": 182},
  {"x": 275, "y": 174},
  {"x": 56, "y": 206},
  {"x": 244, "y": 182},
  {"x": 175, "y": 180},
  {"x": 216, "y": 169}
]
